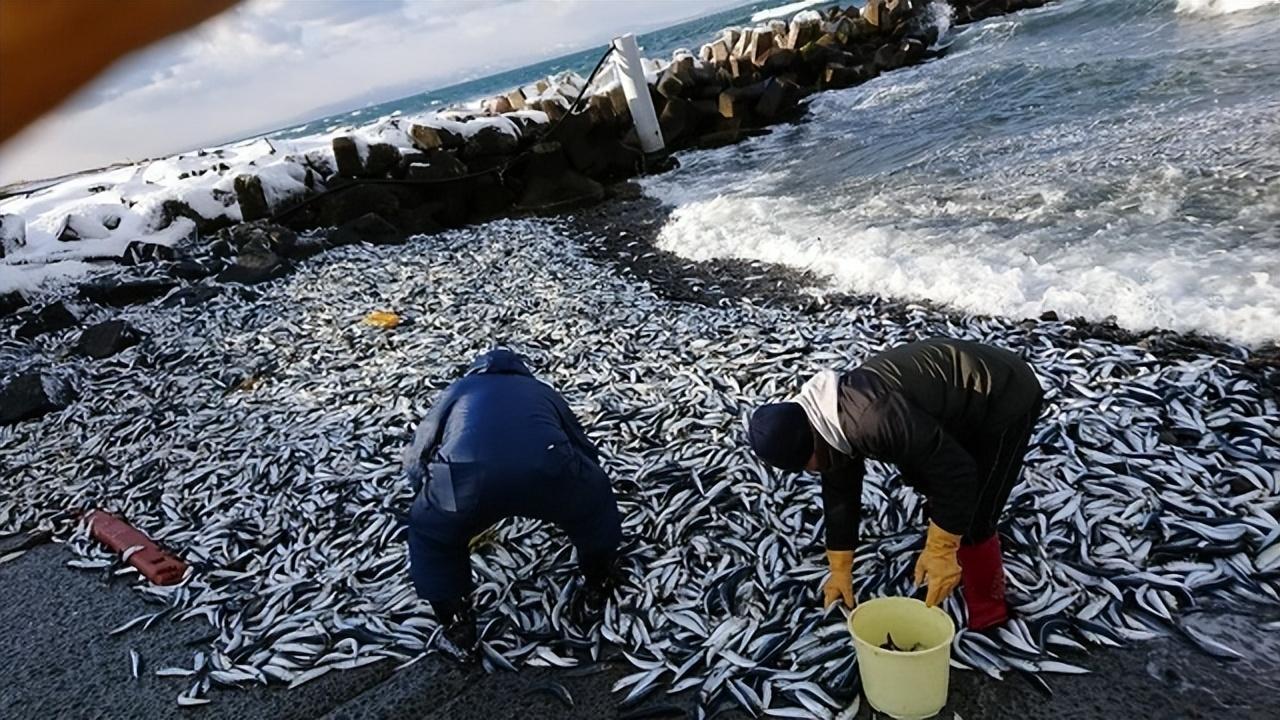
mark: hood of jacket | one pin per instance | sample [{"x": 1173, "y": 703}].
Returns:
[
  {"x": 820, "y": 398},
  {"x": 498, "y": 362}
]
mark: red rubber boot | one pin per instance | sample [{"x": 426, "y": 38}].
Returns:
[{"x": 982, "y": 578}]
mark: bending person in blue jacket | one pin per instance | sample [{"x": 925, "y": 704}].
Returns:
[{"x": 498, "y": 443}]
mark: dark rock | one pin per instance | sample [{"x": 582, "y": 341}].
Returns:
[
  {"x": 139, "y": 252},
  {"x": 31, "y": 395},
  {"x": 677, "y": 120},
  {"x": 779, "y": 96},
  {"x": 440, "y": 165},
  {"x": 346, "y": 154},
  {"x": 408, "y": 160},
  {"x": 912, "y": 50},
  {"x": 254, "y": 264},
  {"x": 11, "y": 302},
  {"x": 118, "y": 293},
  {"x": 258, "y": 233},
  {"x": 106, "y": 339},
  {"x": 487, "y": 197},
  {"x": 734, "y": 103},
  {"x": 191, "y": 296},
  {"x": 583, "y": 143},
  {"x": 889, "y": 57},
  {"x": 721, "y": 138},
  {"x": 840, "y": 76},
  {"x": 490, "y": 141},
  {"x": 368, "y": 228},
  {"x": 352, "y": 202},
  {"x": 430, "y": 138},
  {"x": 420, "y": 220},
  {"x": 49, "y": 318},
  {"x": 550, "y": 182},
  {"x": 1049, "y": 316},
  {"x": 669, "y": 85},
  {"x": 171, "y": 210},
  {"x": 383, "y": 159},
  {"x": 618, "y": 99},
  {"x": 13, "y": 233},
  {"x": 779, "y": 60},
  {"x": 190, "y": 270},
  {"x": 220, "y": 247},
  {"x": 252, "y": 198}
]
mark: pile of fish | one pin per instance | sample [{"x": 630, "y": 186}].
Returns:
[{"x": 258, "y": 437}]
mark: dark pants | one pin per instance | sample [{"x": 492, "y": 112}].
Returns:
[
  {"x": 999, "y": 457},
  {"x": 566, "y": 488}
]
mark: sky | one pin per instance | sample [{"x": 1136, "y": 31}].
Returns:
[{"x": 270, "y": 63}]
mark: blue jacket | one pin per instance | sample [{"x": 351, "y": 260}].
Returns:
[{"x": 497, "y": 416}]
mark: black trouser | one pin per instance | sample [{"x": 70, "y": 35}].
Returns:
[{"x": 999, "y": 458}]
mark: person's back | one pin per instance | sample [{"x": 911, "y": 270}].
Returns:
[
  {"x": 501, "y": 416},
  {"x": 497, "y": 444},
  {"x": 964, "y": 385}
]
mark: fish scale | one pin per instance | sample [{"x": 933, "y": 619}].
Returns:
[{"x": 285, "y": 491}]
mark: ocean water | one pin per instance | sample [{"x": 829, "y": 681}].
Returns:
[
  {"x": 1097, "y": 158},
  {"x": 1100, "y": 158}
]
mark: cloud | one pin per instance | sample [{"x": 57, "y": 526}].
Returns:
[{"x": 270, "y": 62}]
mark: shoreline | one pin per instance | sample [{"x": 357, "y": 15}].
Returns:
[{"x": 639, "y": 219}]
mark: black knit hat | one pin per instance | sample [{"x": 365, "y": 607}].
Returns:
[{"x": 780, "y": 435}]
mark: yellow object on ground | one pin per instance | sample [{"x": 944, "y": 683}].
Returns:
[
  {"x": 938, "y": 565},
  {"x": 897, "y": 683},
  {"x": 382, "y": 319}
]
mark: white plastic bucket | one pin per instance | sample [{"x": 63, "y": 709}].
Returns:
[{"x": 903, "y": 684}]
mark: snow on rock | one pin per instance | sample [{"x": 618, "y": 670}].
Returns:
[{"x": 54, "y": 231}]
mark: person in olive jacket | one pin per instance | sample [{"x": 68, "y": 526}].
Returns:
[{"x": 955, "y": 417}]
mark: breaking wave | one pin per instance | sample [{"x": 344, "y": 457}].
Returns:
[
  {"x": 1057, "y": 160},
  {"x": 1221, "y": 7}
]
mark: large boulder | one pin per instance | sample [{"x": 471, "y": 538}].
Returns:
[
  {"x": 139, "y": 252},
  {"x": 254, "y": 264},
  {"x": 191, "y": 296},
  {"x": 490, "y": 141},
  {"x": 106, "y": 339},
  {"x": 13, "y": 233},
  {"x": 191, "y": 270},
  {"x": 439, "y": 165},
  {"x": 252, "y": 198},
  {"x": 31, "y": 395},
  {"x": 49, "y": 318},
  {"x": 346, "y": 155},
  {"x": 383, "y": 160},
  {"x": 351, "y": 202},
  {"x": 368, "y": 228},
  {"x": 549, "y": 182},
  {"x": 118, "y": 293},
  {"x": 778, "y": 98},
  {"x": 259, "y": 233},
  {"x": 11, "y": 302},
  {"x": 429, "y": 138}
]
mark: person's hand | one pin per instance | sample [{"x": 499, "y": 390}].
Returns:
[
  {"x": 839, "y": 585},
  {"x": 938, "y": 565}
]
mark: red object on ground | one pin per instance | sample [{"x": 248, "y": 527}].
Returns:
[
  {"x": 982, "y": 579},
  {"x": 157, "y": 565}
]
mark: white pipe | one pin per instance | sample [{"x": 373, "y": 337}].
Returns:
[{"x": 636, "y": 89}]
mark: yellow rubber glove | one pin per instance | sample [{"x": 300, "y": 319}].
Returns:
[
  {"x": 839, "y": 583},
  {"x": 938, "y": 565}
]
